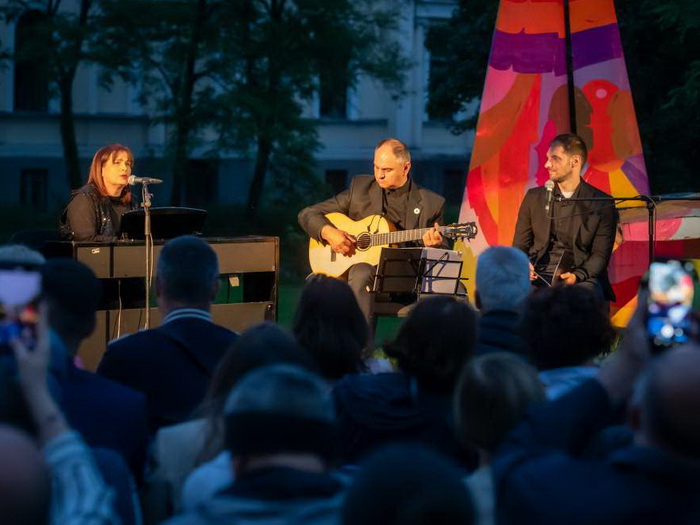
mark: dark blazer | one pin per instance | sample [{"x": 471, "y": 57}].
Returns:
[
  {"x": 107, "y": 415},
  {"x": 172, "y": 365},
  {"x": 594, "y": 225},
  {"x": 364, "y": 198}
]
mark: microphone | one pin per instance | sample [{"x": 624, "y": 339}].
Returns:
[
  {"x": 549, "y": 186},
  {"x": 133, "y": 179}
]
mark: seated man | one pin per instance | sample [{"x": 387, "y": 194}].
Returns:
[
  {"x": 173, "y": 364},
  {"x": 568, "y": 241},
  {"x": 279, "y": 430},
  {"x": 392, "y": 194}
]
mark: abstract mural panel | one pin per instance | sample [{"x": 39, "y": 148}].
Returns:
[{"x": 526, "y": 102}]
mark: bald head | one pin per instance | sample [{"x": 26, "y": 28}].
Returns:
[
  {"x": 669, "y": 402},
  {"x": 24, "y": 479}
]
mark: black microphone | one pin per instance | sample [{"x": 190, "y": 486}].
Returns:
[
  {"x": 133, "y": 179},
  {"x": 549, "y": 186}
]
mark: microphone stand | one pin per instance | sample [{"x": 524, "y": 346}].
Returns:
[
  {"x": 650, "y": 206},
  {"x": 148, "y": 244}
]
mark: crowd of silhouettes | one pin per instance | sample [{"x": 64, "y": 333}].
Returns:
[{"x": 517, "y": 410}]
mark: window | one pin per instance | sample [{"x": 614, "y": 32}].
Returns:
[
  {"x": 31, "y": 91},
  {"x": 337, "y": 179},
  {"x": 33, "y": 188},
  {"x": 453, "y": 185},
  {"x": 334, "y": 84}
]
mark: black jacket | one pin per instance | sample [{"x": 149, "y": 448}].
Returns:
[
  {"x": 172, "y": 365},
  {"x": 364, "y": 198},
  {"x": 88, "y": 216},
  {"x": 594, "y": 224}
]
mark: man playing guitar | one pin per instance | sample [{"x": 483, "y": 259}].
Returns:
[{"x": 390, "y": 194}]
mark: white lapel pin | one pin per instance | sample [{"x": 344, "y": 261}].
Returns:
[{"x": 416, "y": 211}]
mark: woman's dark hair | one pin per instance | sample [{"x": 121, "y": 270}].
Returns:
[
  {"x": 261, "y": 345},
  {"x": 565, "y": 326},
  {"x": 330, "y": 325},
  {"x": 434, "y": 342}
]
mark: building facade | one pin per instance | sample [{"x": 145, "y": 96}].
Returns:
[{"x": 31, "y": 154}]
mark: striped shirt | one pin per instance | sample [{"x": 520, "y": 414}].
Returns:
[{"x": 186, "y": 313}]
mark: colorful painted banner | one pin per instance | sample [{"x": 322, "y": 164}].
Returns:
[{"x": 525, "y": 104}]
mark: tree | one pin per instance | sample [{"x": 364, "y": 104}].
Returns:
[
  {"x": 61, "y": 38},
  {"x": 660, "y": 40},
  {"x": 244, "y": 69},
  {"x": 274, "y": 52},
  {"x": 169, "y": 50}
]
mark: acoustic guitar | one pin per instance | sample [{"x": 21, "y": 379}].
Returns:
[{"x": 372, "y": 233}]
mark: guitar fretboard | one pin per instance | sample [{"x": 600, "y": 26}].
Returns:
[{"x": 382, "y": 239}]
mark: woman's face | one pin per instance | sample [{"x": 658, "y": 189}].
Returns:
[{"x": 115, "y": 172}]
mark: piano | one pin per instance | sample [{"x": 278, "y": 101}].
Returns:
[{"x": 249, "y": 275}]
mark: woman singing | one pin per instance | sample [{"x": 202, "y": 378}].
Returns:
[{"x": 94, "y": 211}]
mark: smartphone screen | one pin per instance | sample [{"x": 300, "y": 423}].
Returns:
[
  {"x": 672, "y": 288},
  {"x": 19, "y": 291}
]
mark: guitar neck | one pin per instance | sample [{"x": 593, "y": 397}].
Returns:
[{"x": 383, "y": 239}]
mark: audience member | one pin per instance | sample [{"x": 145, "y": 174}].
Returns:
[
  {"x": 178, "y": 448},
  {"x": 106, "y": 413},
  {"x": 331, "y": 327},
  {"x": 408, "y": 485},
  {"x": 492, "y": 396},
  {"x": 19, "y": 256},
  {"x": 280, "y": 433},
  {"x": 565, "y": 328},
  {"x": 174, "y": 363},
  {"x": 654, "y": 480},
  {"x": 78, "y": 491},
  {"x": 25, "y": 481},
  {"x": 414, "y": 404},
  {"x": 502, "y": 285}
]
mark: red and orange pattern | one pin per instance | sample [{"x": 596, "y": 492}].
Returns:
[{"x": 525, "y": 104}]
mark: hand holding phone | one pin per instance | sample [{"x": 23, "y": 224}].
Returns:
[
  {"x": 672, "y": 290},
  {"x": 19, "y": 289}
]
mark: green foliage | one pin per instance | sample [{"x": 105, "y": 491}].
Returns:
[
  {"x": 243, "y": 70},
  {"x": 59, "y": 40},
  {"x": 661, "y": 40}
]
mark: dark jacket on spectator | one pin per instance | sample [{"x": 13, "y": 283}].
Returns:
[
  {"x": 498, "y": 332},
  {"x": 539, "y": 478},
  {"x": 377, "y": 409}
]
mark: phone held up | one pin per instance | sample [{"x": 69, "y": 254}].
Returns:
[
  {"x": 19, "y": 292},
  {"x": 673, "y": 293}
]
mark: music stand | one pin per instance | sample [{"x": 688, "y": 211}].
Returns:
[
  {"x": 166, "y": 223},
  {"x": 405, "y": 275}
]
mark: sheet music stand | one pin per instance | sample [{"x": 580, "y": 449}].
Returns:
[
  {"x": 166, "y": 223},
  {"x": 406, "y": 275}
]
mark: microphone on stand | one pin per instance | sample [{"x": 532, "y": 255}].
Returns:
[
  {"x": 549, "y": 186},
  {"x": 133, "y": 179}
]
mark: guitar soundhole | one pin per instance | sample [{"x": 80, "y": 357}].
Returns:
[{"x": 363, "y": 241}]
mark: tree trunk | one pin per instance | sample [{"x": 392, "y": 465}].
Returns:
[
  {"x": 184, "y": 124},
  {"x": 70, "y": 146},
  {"x": 262, "y": 160}
]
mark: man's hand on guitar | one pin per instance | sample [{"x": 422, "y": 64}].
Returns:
[
  {"x": 432, "y": 237},
  {"x": 339, "y": 241},
  {"x": 568, "y": 278}
]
